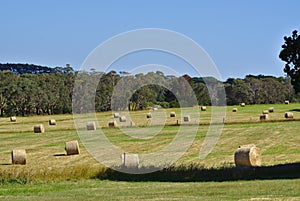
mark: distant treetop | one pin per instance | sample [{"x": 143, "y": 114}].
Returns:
[{"x": 34, "y": 69}]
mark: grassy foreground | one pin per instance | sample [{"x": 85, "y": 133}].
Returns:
[
  {"x": 51, "y": 175},
  {"x": 110, "y": 190}
]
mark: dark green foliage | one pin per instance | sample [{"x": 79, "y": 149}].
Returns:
[
  {"x": 33, "y": 69},
  {"x": 258, "y": 90},
  {"x": 36, "y": 93},
  {"x": 27, "y": 89},
  {"x": 290, "y": 54}
]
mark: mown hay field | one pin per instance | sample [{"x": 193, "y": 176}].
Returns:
[{"x": 278, "y": 140}]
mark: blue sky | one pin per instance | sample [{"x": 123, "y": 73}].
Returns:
[{"x": 241, "y": 37}]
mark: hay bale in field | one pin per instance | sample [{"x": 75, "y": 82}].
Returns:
[
  {"x": 39, "y": 128},
  {"x": 234, "y": 109},
  {"x": 18, "y": 156},
  {"x": 149, "y": 115},
  {"x": 203, "y": 108},
  {"x": 271, "y": 109},
  {"x": 242, "y": 104},
  {"x": 186, "y": 118},
  {"x": 130, "y": 160},
  {"x": 265, "y": 112},
  {"x": 172, "y": 114},
  {"x": 155, "y": 109},
  {"x": 286, "y": 102},
  {"x": 288, "y": 115},
  {"x": 72, "y": 147},
  {"x": 116, "y": 115},
  {"x": 264, "y": 117},
  {"x": 112, "y": 124},
  {"x": 13, "y": 119},
  {"x": 122, "y": 119},
  {"x": 91, "y": 125},
  {"x": 247, "y": 155},
  {"x": 52, "y": 122}
]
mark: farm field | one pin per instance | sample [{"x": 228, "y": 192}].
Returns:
[
  {"x": 50, "y": 175},
  {"x": 110, "y": 190}
]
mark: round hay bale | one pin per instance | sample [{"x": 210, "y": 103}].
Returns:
[
  {"x": 264, "y": 117},
  {"x": 271, "y": 109},
  {"x": 112, "y": 124},
  {"x": 91, "y": 125},
  {"x": 39, "y": 128},
  {"x": 186, "y": 118},
  {"x": 248, "y": 155},
  {"x": 72, "y": 147},
  {"x": 242, "y": 104},
  {"x": 286, "y": 102},
  {"x": 18, "y": 156},
  {"x": 265, "y": 112},
  {"x": 234, "y": 109},
  {"x": 155, "y": 109},
  {"x": 122, "y": 119},
  {"x": 116, "y": 115},
  {"x": 52, "y": 122},
  {"x": 13, "y": 119},
  {"x": 130, "y": 160},
  {"x": 288, "y": 115},
  {"x": 172, "y": 114},
  {"x": 149, "y": 115},
  {"x": 203, "y": 108}
]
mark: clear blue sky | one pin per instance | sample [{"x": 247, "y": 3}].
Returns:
[{"x": 242, "y": 37}]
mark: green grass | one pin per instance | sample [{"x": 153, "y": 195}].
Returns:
[
  {"x": 111, "y": 190},
  {"x": 46, "y": 174}
]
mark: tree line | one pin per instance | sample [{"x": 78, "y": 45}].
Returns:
[{"x": 31, "y": 89}]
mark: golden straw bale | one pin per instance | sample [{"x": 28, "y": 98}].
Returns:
[
  {"x": 247, "y": 155},
  {"x": 39, "y": 128},
  {"x": 91, "y": 125},
  {"x": 130, "y": 160},
  {"x": 116, "y": 115},
  {"x": 72, "y": 147},
  {"x": 172, "y": 114},
  {"x": 18, "y": 156},
  {"x": 112, "y": 124},
  {"x": 271, "y": 109},
  {"x": 264, "y": 117},
  {"x": 122, "y": 119},
  {"x": 288, "y": 115},
  {"x": 52, "y": 122},
  {"x": 186, "y": 118}
]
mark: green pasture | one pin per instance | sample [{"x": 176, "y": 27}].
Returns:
[
  {"x": 110, "y": 190},
  {"x": 49, "y": 173}
]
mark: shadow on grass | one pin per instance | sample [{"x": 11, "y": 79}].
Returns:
[
  {"x": 60, "y": 155},
  {"x": 200, "y": 174},
  {"x": 295, "y": 110},
  {"x": 5, "y": 164}
]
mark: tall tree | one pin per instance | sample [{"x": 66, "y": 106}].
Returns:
[{"x": 290, "y": 54}]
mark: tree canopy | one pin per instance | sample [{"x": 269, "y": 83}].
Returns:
[
  {"x": 290, "y": 54},
  {"x": 29, "y": 89}
]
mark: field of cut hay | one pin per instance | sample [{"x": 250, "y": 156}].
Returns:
[{"x": 277, "y": 138}]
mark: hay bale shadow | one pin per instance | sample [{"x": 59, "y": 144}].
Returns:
[
  {"x": 60, "y": 155},
  {"x": 5, "y": 164}
]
